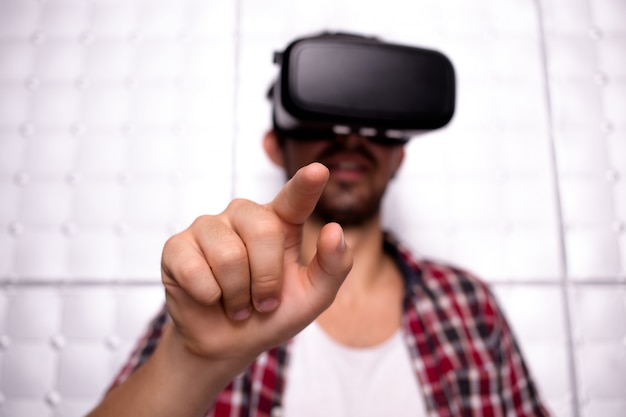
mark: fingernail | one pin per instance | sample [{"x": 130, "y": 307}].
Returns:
[
  {"x": 242, "y": 314},
  {"x": 268, "y": 304},
  {"x": 342, "y": 244}
]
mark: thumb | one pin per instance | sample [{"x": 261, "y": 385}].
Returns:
[{"x": 331, "y": 264}]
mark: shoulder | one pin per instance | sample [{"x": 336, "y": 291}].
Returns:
[
  {"x": 445, "y": 278},
  {"x": 446, "y": 290},
  {"x": 438, "y": 276}
]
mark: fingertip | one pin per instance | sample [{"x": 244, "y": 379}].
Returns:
[
  {"x": 333, "y": 249},
  {"x": 297, "y": 199},
  {"x": 319, "y": 168},
  {"x": 341, "y": 246},
  {"x": 333, "y": 236},
  {"x": 314, "y": 173}
]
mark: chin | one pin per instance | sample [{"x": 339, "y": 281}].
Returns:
[{"x": 346, "y": 218}]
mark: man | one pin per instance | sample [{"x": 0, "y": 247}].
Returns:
[{"x": 305, "y": 306}]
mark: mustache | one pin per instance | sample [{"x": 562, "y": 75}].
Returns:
[{"x": 337, "y": 148}]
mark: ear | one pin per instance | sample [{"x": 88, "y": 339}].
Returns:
[{"x": 273, "y": 148}]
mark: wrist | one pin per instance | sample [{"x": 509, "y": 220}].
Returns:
[{"x": 216, "y": 373}]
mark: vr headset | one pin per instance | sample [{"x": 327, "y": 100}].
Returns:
[{"x": 341, "y": 83}]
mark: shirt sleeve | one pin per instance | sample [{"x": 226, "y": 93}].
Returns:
[
  {"x": 144, "y": 347},
  {"x": 518, "y": 390},
  {"x": 470, "y": 362}
]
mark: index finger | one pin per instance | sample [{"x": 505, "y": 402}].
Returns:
[{"x": 297, "y": 199}]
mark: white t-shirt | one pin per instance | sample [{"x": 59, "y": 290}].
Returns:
[{"x": 326, "y": 378}]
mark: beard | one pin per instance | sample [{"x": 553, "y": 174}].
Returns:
[
  {"x": 346, "y": 202},
  {"x": 342, "y": 204}
]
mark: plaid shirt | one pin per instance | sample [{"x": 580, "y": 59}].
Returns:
[{"x": 463, "y": 351}]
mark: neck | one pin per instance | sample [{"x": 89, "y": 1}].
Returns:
[
  {"x": 366, "y": 242},
  {"x": 367, "y": 308}
]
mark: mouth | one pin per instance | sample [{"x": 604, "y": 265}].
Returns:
[{"x": 348, "y": 168}]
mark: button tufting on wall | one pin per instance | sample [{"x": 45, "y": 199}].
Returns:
[
  {"x": 53, "y": 398},
  {"x": 130, "y": 83},
  {"x": 58, "y": 342},
  {"x": 505, "y": 228},
  {"x": 16, "y": 229},
  {"x": 178, "y": 177},
  {"x": 5, "y": 342},
  {"x": 121, "y": 229},
  {"x": 451, "y": 228},
  {"x": 127, "y": 129},
  {"x": 607, "y": 127},
  {"x": 182, "y": 83},
  {"x": 27, "y": 130},
  {"x": 82, "y": 83},
  {"x": 20, "y": 179},
  {"x": 124, "y": 178},
  {"x": 601, "y": 79},
  {"x": 69, "y": 229},
  {"x": 184, "y": 38},
  {"x": 595, "y": 33},
  {"x": 612, "y": 176},
  {"x": 619, "y": 227},
  {"x": 179, "y": 129},
  {"x": 85, "y": 38},
  {"x": 72, "y": 179},
  {"x": 32, "y": 83},
  {"x": 78, "y": 130},
  {"x": 133, "y": 38},
  {"x": 37, "y": 38},
  {"x": 113, "y": 342},
  {"x": 578, "y": 341}
]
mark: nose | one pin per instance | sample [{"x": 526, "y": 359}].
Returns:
[{"x": 351, "y": 141}]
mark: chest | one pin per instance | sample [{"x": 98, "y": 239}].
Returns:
[{"x": 327, "y": 378}]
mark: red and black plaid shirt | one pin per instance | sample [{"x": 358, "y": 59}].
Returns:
[{"x": 463, "y": 351}]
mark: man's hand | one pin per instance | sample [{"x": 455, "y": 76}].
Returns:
[
  {"x": 234, "y": 283},
  {"x": 235, "y": 287}
]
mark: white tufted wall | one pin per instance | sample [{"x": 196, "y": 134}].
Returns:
[{"x": 122, "y": 120}]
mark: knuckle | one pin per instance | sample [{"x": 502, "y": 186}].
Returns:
[
  {"x": 232, "y": 253},
  {"x": 171, "y": 255},
  {"x": 266, "y": 282},
  {"x": 200, "y": 223},
  {"x": 192, "y": 269},
  {"x": 239, "y": 204},
  {"x": 210, "y": 295},
  {"x": 267, "y": 228},
  {"x": 200, "y": 220},
  {"x": 237, "y": 300},
  {"x": 171, "y": 246},
  {"x": 195, "y": 278},
  {"x": 265, "y": 286}
]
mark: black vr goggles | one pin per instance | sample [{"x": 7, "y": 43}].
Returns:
[{"x": 340, "y": 83}]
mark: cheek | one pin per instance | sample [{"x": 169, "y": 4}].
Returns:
[
  {"x": 397, "y": 158},
  {"x": 392, "y": 161},
  {"x": 299, "y": 154}
]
